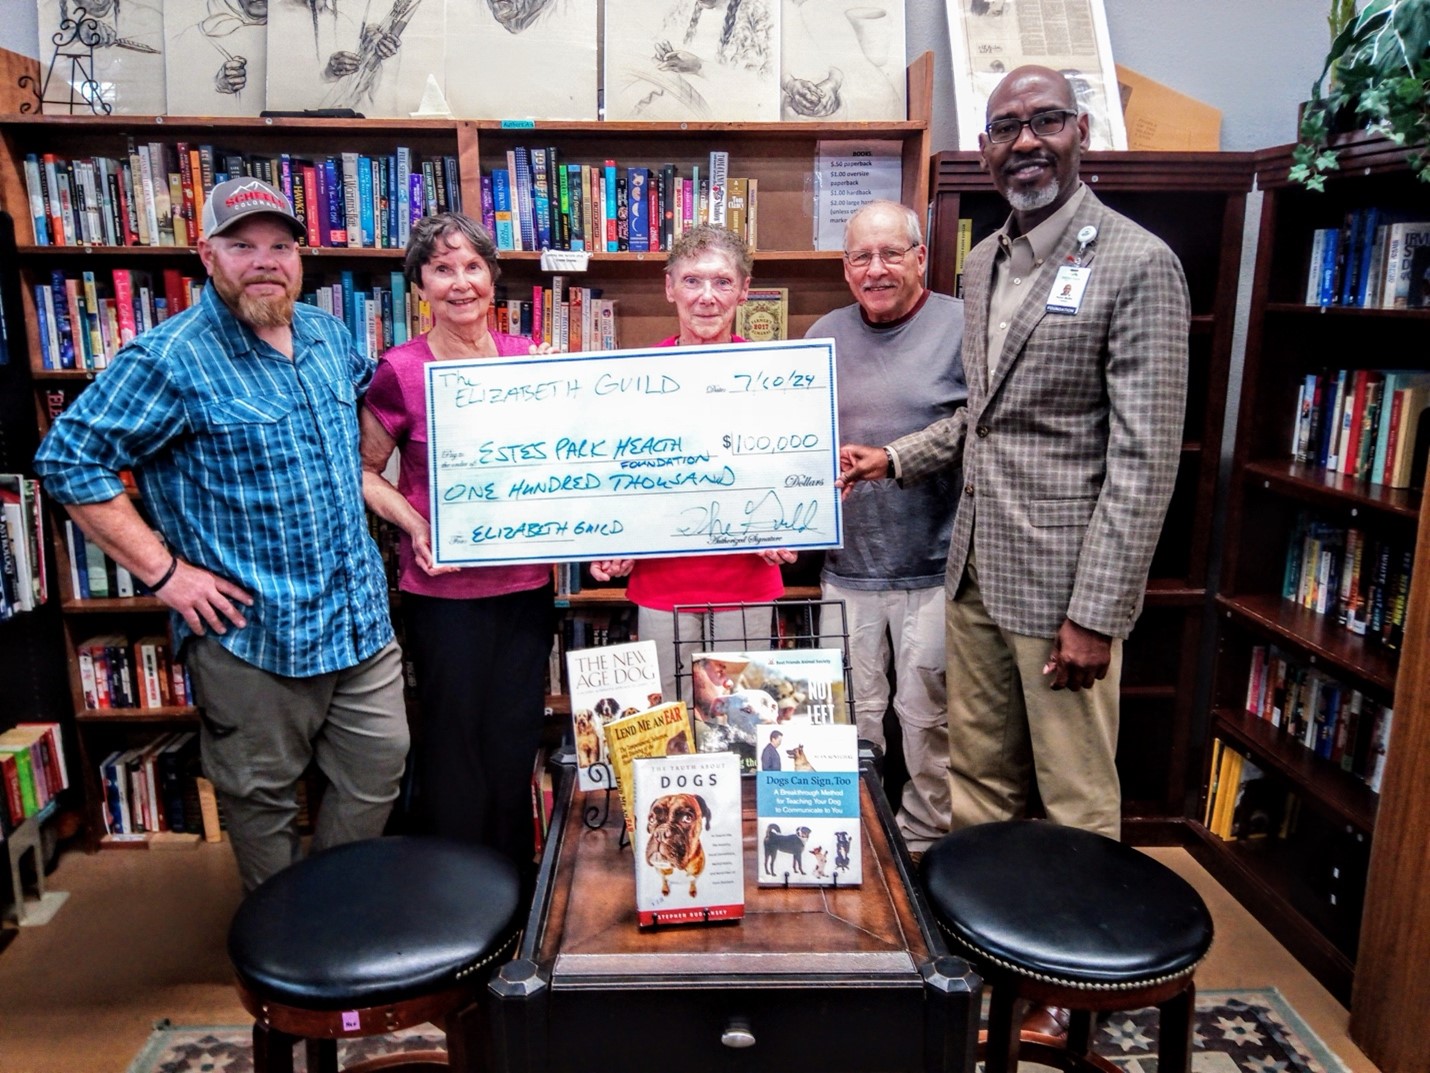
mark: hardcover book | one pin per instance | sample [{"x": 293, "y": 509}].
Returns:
[
  {"x": 689, "y": 841},
  {"x": 807, "y": 801},
  {"x": 734, "y": 693},
  {"x": 663, "y": 730},
  {"x": 607, "y": 683},
  {"x": 764, "y": 316}
]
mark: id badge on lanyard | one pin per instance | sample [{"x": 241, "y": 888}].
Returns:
[{"x": 1071, "y": 280}]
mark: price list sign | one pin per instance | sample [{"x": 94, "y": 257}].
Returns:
[{"x": 634, "y": 453}]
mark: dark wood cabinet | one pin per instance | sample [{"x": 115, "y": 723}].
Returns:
[{"x": 1196, "y": 202}]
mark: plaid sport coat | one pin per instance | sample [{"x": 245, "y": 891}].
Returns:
[{"x": 1070, "y": 451}]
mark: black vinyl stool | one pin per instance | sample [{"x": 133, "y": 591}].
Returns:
[
  {"x": 372, "y": 937},
  {"x": 1064, "y": 917}
]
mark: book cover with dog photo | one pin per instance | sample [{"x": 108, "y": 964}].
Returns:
[
  {"x": 735, "y": 693},
  {"x": 660, "y": 731},
  {"x": 807, "y": 804},
  {"x": 689, "y": 840},
  {"x": 607, "y": 683}
]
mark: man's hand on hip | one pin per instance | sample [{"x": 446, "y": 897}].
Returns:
[{"x": 205, "y": 600}]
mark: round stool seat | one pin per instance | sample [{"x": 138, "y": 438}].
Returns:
[
  {"x": 1065, "y": 906},
  {"x": 374, "y": 922}
]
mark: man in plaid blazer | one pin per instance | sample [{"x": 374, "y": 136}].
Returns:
[{"x": 1075, "y": 349}]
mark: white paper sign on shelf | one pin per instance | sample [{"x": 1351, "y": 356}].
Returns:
[
  {"x": 634, "y": 453},
  {"x": 849, "y": 174},
  {"x": 565, "y": 260}
]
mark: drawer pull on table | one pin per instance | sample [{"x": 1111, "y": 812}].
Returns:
[{"x": 737, "y": 1033}]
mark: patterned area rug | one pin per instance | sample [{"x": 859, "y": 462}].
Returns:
[{"x": 1236, "y": 1032}]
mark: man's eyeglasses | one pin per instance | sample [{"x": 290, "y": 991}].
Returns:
[
  {"x": 890, "y": 256},
  {"x": 1044, "y": 125}
]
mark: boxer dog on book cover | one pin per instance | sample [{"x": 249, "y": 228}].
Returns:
[{"x": 674, "y": 826}]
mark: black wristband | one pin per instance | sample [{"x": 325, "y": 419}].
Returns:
[
  {"x": 889, "y": 473},
  {"x": 173, "y": 565}
]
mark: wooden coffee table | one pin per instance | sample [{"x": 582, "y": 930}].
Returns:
[{"x": 850, "y": 979}]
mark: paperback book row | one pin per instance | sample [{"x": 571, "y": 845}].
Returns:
[
  {"x": 1366, "y": 423},
  {"x": 1243, "y": 803},
  {"x": 86, "y": 317},
  {"x": 1376, "y": 259},
  {"x": 115, "y": 672},
  {"x": 541, "y": 202},
  {"x": 154, "y": 195},
  {"x": 23, "y": 581},
  {"x": 32, "y": 769},
  {"x": 571, "y": 319},
  {"x": 156, "y": 787},
  {"x": 1364, "y": 581},
  {"x": 93, "y": 574},
  {"x": 1335, "y": 721}
]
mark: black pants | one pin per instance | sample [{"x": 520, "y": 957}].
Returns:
[{"x": 481, "y": 680}]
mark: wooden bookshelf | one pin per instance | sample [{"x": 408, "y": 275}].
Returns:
[
  {"x": 1341, "y": 930},
  {"x": 782, "y": 156}
]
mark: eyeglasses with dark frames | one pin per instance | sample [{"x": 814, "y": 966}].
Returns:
[
  {"x": 1043, "y": 125},
  {"x": 888, "y": 255}
]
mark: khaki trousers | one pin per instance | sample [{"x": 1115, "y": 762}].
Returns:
[{"x": 1007, "y": 727}]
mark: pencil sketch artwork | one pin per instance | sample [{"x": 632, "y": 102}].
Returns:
[
  {"x": 842, "y": 60},
  {"x": 522, "y": 59},
  {"x": 673, "y": 60},
  {"x": 372, "y": 56},
  {"x": 989, "y": 38},
  {"x": 100, "y": 57},
  {"x": 216, "y": 56}
]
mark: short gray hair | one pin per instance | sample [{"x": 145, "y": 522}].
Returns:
[
  {"x": 429, "y": 239},
  {"x": 704, "y": 237},
  {"x": 913, "y": 232}
]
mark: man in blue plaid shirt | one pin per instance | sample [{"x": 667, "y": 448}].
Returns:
[{"x": 239, "y": 419}]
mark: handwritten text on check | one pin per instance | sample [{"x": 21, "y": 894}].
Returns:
[{"x": 633, "y": 453}]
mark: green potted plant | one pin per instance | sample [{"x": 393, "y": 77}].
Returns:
[{"x": 1377, "y": 74}]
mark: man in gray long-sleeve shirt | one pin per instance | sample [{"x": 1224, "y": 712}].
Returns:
[{"x": 898, "y": 354}]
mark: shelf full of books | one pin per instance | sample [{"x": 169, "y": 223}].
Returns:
[
  {"x": 107, "y": 212},
  {"x": 1320, "y": 567},
  {"x": 33, "y": 772},
  {"x": 24, "y": 582}
]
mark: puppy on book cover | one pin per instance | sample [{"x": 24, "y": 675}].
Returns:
[{"x": 688, "y": 845}]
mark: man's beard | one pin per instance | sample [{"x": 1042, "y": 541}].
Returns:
[
  {"x": 1033, "y": 200},
  {"x": 274, "y": 311}
]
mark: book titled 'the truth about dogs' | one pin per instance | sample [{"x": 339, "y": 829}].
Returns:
[
  {"x": 689, "y": 840},
  {"x": 807, "y": 804},
  {"x": 607, "y": 683}
]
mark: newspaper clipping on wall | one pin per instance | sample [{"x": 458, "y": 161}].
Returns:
[{"x": 989, "y": 38}]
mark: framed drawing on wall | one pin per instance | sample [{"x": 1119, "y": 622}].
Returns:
[{"x": 989, "y": 38}]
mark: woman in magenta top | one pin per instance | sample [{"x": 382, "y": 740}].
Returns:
[
  {"x": 707, "y": 276},
  {"x": 480, "y": 637}
]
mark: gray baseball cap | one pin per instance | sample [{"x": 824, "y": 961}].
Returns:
[{"x": 235, "y": 200}]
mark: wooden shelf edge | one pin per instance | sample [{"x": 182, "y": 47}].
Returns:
[
  {"x": 1316, "y": 484},
  {"x": 1332, "y": 790},
  {"x": 1317, "y": 635},
  {"x": 96, "y": 606},
  {"x": 1301, "y": 309},
  {"x": 150, "y": 841},
  {"x": 1235, "y": 871},
  {"x": 174, "y": 714}
]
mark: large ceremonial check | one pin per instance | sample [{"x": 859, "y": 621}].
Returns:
[{"x": 633, "y": 453}]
